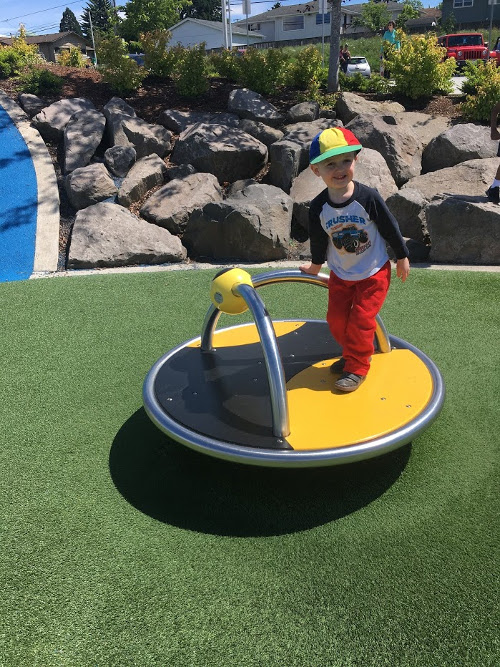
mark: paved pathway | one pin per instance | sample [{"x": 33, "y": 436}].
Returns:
[
  {"x": 29, "y": 198},
  {"x": 18, "y": 203}
]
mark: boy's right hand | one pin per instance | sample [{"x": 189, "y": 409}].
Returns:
[{"x": 311, "y": 269}]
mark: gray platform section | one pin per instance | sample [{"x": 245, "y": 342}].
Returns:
[{"x": 47, "y": 223}]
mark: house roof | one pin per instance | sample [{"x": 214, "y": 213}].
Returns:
[
  {"x": 310, "y": 7},
  {"x": 43, "y": 39},
  {"x": 426, "y": 19},
  {"x": 217, "y": 25}
]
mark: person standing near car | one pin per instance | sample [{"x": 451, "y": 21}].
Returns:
[
  {"x": 349, "y": 225},
  {"x": 493, "y": 192},
  {"x": 389, "y": 40},
  {"x": 345, "y": 57}
]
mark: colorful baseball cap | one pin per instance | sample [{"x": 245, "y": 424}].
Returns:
[{"x": 333, "y": 141}]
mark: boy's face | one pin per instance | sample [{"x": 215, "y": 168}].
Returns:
[{"x": 336, "y": 171}]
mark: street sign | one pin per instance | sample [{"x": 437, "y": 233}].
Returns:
[{"x": 247, "y": 8}]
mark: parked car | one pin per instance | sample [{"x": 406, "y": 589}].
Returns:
[
  {"x": 465, "y": 47},
  {"x": 358, "y": 65}
]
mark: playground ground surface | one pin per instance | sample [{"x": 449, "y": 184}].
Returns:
[{"x": 120, "y": 547}]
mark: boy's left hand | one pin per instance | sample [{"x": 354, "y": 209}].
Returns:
[{"x": 403, "y": 268}]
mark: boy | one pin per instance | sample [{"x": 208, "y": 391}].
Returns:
[
  {"x": 493, "y": 192},
  {"x": 349, "y": 224}
]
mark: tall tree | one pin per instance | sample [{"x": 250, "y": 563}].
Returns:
[
  {"x": 69, "y": 23},
  {"x": 149, "y": 15},
  {"x": 411, "y": 10},
  {"x": 103, "y": 17},
  {"x": 374, "y": 15},
  {"x": 209, "y": 10}
]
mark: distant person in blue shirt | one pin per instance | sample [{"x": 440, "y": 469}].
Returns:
[{"x": 390, "y": 38}]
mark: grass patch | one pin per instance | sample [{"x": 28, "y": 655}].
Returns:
[{"x": 122, "y": 548}]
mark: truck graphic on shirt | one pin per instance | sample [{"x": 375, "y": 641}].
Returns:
[{"x": 349, "y": 238}]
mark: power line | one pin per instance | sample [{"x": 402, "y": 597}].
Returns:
[{"x": 41, "y": 11}]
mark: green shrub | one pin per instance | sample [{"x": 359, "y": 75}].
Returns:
[
  {"x": 306, "y": 68},
  {"x": 134, "y": 47},
  {"x": 264, "y": 71},
  {"x": 359, "y": 83},
  {"x": 482, "y": 89},
  {"x": 72, "y": 58},
  {"x": 227, "y": 64},
  {"x": 418, "y": 68},
  {"x": 159, "y": 60},
  {"x": 28, "y": 53},
  {"x": 118, "y": 70},
  {"x": 40, "y": 82},
  {"x": 191, "y": 71},
  {"x": 11, "y": 62}
]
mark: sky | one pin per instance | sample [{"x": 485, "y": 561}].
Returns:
[{"x": 44, "y": 16}]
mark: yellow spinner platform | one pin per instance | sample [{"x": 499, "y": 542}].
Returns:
[{"x": 263, "y": 393}]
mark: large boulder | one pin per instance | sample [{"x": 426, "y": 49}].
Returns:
[
  {"x": 467, "y": 178},
  {"x": 178, "y": 121},
  {"x": 82, "y": 136},
  {"x": 464, "y": 231},
  {"x": 303, "y": 112},
  {"x": 106, "y": 235},
  {"x": 89, "y": 185},
  {"x": 371, "y": 170},
  {"x": 408, "y": 207},
  {"x": 146, "y": 173},
  {"x": 399, "y": 145},
  {"x": 52, "y": 120},
  {"x": 126, "y": 129},
  {"x": 119, "y": 159},
  {"x": 31, "y": 104},
  {"x": 253, "y": 225},
  {"x": 458, "y": 144},
  {"x": 249, "y": 104},
  {"x": 425, "y": 126},
  {"x": 350, "y": 105},
  {"x": 226, "y": 152},
  {"x": 172, "y": 205},
  {"x": 263, "y": 133}
]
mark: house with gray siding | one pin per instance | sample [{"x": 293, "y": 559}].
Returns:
[
  {"x": 470, "y": 13},
  {"x": 305, "y": 22}
]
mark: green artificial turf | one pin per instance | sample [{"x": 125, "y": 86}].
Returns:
[{"x": 119, "y": 547}]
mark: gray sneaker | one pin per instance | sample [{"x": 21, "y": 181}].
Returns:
[
  {"x": 349, "y": 382},
  {"x": 338, "y": 366}
]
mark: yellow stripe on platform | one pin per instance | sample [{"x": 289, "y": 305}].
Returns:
[
  {"x": 248, "y": 334},
  {"x": 396, "y": 390}
]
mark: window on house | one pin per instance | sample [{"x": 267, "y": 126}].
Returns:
[
  {"x": 254, "y": 26},
  {"x": 322, "y": 18},
  {"x": 293, "y": 23},
  {"x": 458, "y": 4}
]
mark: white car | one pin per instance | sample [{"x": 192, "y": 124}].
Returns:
[{"x": 358, "y": 65}]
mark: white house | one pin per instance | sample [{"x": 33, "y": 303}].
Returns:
[
  {"x": 305, "y": 22},
  {"x": 190, "y": 32}
]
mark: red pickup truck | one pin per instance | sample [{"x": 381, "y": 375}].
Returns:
[{"x": 465, "y": 47}]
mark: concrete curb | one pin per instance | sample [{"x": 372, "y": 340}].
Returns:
[
  {"x": 47, "y": 223},
  {"x": 284, "y": 264}
]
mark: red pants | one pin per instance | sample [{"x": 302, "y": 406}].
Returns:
[{"x": 352, "y": 308}]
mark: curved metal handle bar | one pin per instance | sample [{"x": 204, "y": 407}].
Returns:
[
  {"x": 287, "y": 276},
  {"x": 272, "y": 357}
]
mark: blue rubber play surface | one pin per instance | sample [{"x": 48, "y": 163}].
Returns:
[{"x": 18, "y": 203}]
